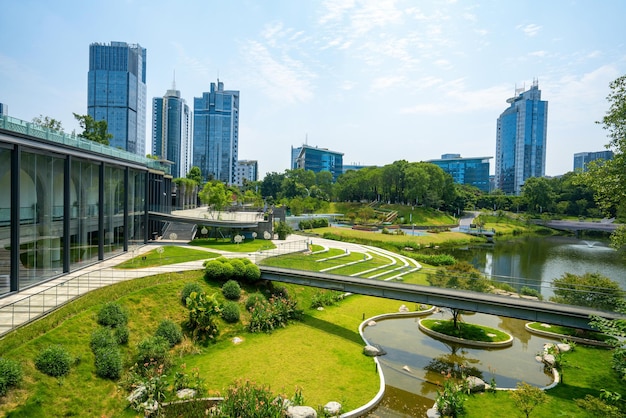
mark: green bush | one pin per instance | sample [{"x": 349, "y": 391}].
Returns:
[
  {"x": 54, "y": 361},
  {"x": 230, "y": 312},
  {"x": 245, "y": 399},
  {"x": 266, "y": 316},
  {"x": 278, "y": 290},
  {"x": 10, "y": 375},
  {"x": 214, "y": 270},
  {"x": 239, "y": 269},
  {"x": 325, "y": 298},
  {"x": 112, "y": 314},
  {"x": 171, "y": 331},
  {"x": 108, "y": 362},
  {"x": 102, "y": 337},
  {"x": 152, "y": 352},
  {"x": 253, "y": 273},
  {"x": 189, "y": 287},
  {"x": 121, "y": 333},
  {"x": 432, "y": 259},
  {"x": 202, "y": 312},
  {"x": 253, "y": 299},
  {"x": 527, "y": 291},
  {"x": 231, "y": 290}
]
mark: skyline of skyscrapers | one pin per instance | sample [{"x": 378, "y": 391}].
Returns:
[
  {"x": 521, "y": 140},
  {"x": 116, "y": 92},
  {"x": 171, "y": 131},
  {"x": 216, "y": 133}
]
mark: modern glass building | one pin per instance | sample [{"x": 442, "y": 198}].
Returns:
[
  {"x": 317, "y": 159},
  {"x": 216, "y": 133},
  {"x": 471, "y": 171},
  {"x": 67, "y": 202},
  {"x": 116, "y": 92},
  {"x": 4, "y": 110},
  {"x": 581, "y": 159},
  {"x": 171, "y": 131},
  {"x": 521, "y": 140}
]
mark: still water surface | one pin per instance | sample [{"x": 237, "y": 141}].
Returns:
[{"x": 414, "y": 361}]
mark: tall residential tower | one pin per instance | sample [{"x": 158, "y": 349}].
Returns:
[
  {"x": 216, "y": 133},
  {"x": 521, "y": 140},
  {"x": 117, "y": 92},
  {"x": 171, "y": 131}
]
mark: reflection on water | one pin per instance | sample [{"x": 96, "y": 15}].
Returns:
[{"x": 415, "y": 363}]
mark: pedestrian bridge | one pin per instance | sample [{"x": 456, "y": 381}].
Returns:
[{"x": 526, "y": 309}]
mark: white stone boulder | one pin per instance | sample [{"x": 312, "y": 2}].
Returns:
[
  {"x": 403, "y": 308},
  {"x": 301, "y": 412},
  {"x": 475, "y": 384},
  {"x": 332, "y": 408},
  {"x": 186, "y": 393},
  {"x": 371, "y": 351}
]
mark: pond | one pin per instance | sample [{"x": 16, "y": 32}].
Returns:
[{"x": 414, "y": 362}]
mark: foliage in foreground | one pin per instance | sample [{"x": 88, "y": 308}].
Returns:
[
  {"x": 592, "y": 290},
  {"x": 528, "y": 397},
  {"x": 10, "y": 375}
]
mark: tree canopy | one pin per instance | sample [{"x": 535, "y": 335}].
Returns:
[
  {"x": 592, "y": 290},
  {"x": 94, "y": 130},
  {"x": 48, "y": 122}
]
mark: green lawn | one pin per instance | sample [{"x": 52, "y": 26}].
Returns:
[
  {"x": 225, "y": 244},
  {"x": 169, "y": 254}
]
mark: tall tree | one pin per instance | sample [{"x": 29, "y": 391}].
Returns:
[
  {"x": 592, "y": 290},
  {"x": 195, "y": 174},
  {"x": 608, "y": 179},
  {"x": 538, "y": 194},
  {"x": 94, "y": 130}
]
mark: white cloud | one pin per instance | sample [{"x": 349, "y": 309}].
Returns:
[
  {"x": 538, "y": 54},
  {"x": 530, "y": 29},
  {"x": 383, "y": 83}
]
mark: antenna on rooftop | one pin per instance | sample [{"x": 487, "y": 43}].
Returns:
[
  {"x": 306, "y": 139},
  {"x": 174, "y": 81}
]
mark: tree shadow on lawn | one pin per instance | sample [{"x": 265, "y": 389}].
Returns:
[{"x": 331, "y": 328}]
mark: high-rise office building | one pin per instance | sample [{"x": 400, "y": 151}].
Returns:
[
  {"x": 581, "y": 159},
  {"x": 521, "y": 140},
  {"x": 171, "y": 131},
  {"x": 247, "y": 170},
  {"x": 470, "y": 171},
  {"x": 117, "y": 92},
  {"x": 216, "y": 133},
  {"x": 317, "y": 159},
  {"x": 4, "y": 110}
]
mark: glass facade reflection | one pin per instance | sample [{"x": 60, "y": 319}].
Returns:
[
  {"x": 63, "y": 207},
  {"x": 317, "y": 159},
  {"x": 470, "y": 171},
  {"x": 171, "y": 131},
  {"x": 521, "y": 140}
]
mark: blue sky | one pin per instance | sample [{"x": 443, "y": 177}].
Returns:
[{"x": 377, "y": 80}]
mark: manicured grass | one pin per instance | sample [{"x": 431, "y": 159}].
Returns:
[
  {"x": 170, "y": 254},
  {"x": 586, "y": 371},
  {"x": 225, "y": 244},
  {"x": 505, "y": 225},
  {"x": 382, "y": 240},
  {"x": 571, "y": 332},
  {"x": 466, "y": 331}
]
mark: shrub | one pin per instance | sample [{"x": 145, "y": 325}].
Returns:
[
  {"x": 253, "y": 273},
  {"x": 245, "y": 399},
  {"x": 54, "y": 361},
  {"x": 202, "y": 312},
  {"x": 266, "y": 316},
  {"x": 253, "y": 299},
  {"x": 231, "y": 290},
  {"x": 239, "y": 269},
  {"x": 189, "y": 287},
  {"x": 325, "y": 298},
  {"x": 527, "y": 291},
  {"x": 230, "y": 312},
  {"x": 102, "y": 337},
  {"x": 279, "y": 290},
  {"x": 10, "y": 375},
  {"x": 153, "y": 351},
  {"x": 108, "y": 362},
  {"x": 121, "y": 333},
  {"x": 171, "y": 331},
  {"x": 112, "y": 314}
]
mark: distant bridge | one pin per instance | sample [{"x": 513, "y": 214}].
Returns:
[
  {"x": 574, "y": 226},
  {"x": 526, "y": 309}
]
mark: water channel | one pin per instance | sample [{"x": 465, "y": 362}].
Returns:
[{"x": 414, "y": 361}]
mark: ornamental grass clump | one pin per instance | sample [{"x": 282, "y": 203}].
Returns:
[
  {"x": 10, "y": 375},
  {"x": 54, "y": 361}
]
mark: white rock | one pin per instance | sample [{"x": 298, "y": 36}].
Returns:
[
  {"x": 403, "y": 308},
  {"x": 371, "y": 324},
  {"x": 301, "y": 412},
  {"x": 371, "y": 351},
  {"x": 406, "y": 368},
  {"x": 563, "y": 348},
  {"x": 332, "y": 408},
  {"x": 186, "y": 393}
]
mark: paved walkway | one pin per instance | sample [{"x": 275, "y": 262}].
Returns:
[{"x": 32, "y": 303}]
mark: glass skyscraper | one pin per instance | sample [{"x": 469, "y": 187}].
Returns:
[
  {"x": 521, "y": 140},
  {"x": 4, "y": 110},
  {"x": 117, "y": 92},
  {"x": 216, "y": 133},
  {"x": 171, "y": 131},
  {"x": 581, "y": 159},
  {"x": 317, "y": 159},
  {"x": 471, "y": 171}
]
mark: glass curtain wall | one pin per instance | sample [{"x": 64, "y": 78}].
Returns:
[
  {"x": 5, "y": 220},
  {"x": 136, "y": 206},
  {"x": 84, "y": 233},
  {"x": 113, "y": 210},
  {"x": 41, "y": 217}
]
